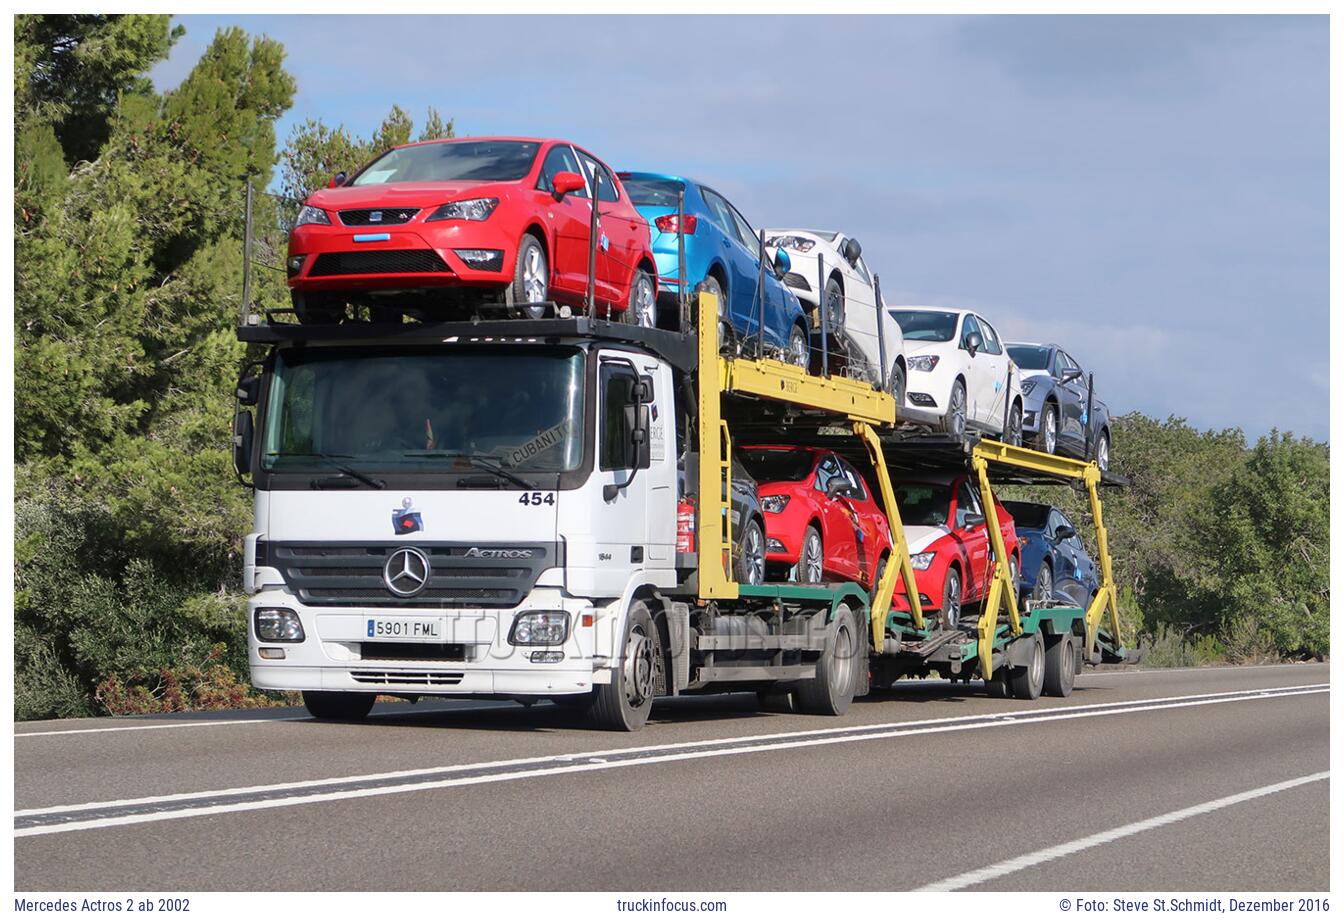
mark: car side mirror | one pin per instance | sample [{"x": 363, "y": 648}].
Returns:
[
  {"x": 242, "y": 443},
  {"x": 1065, "y": 532},
  {"x": 974, "y": 343},
  {"x": 337, "y": 180},
  {"x": 1070, "y": 375},
  {"x": 852, "y": 251},
  {"x": 782, "y": 262},
  {"x": 564, "y": 183},
  {"x": 972, "y": 520},
  {"x": 836, "y": 487}
]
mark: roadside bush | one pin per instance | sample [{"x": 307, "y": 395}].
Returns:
[{"x": 211, "y": 685}]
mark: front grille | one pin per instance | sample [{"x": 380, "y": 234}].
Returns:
[
  {"x": 378, "y": 262},
  {"x": 412, "y": 651},
  {"x": 795, "y": 280},
  {"x": 363, "y": 217},
  {"x": 408, "y": 678},
  {"x": 351, "y": 575}
]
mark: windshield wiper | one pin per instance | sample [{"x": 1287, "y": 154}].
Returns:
[{"x": 478, "y": 461}]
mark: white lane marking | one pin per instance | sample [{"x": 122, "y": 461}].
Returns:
[
  {"x": 1027, "y": 860},
  {"x": 208, "y": 723},
  {"x": 1013, "y": 717},
  {"x": 1208, "y": 669},
  {"x": 598, "y": 764}
]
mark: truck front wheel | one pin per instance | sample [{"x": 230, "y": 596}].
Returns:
[
  {"x": 624, "y": 704},
  {"x": 830, "y": 691},
  {"x": 337, "y": 706}
]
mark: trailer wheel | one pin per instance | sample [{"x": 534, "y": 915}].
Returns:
[
  {"x": 830, "y": 691},
  {"x": 624, "y": 704},
  {"x": 997, "y": 686},
  {"x": 1027, "y": 683},
  {"x": 1059, "y": 666},
  {"x": 337, "y": 705}
]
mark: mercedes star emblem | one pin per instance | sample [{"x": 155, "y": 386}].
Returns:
[{"x": 406, "y": 572}]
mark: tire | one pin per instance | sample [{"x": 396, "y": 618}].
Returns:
[
  {"x": 879, "y": 572},
  {"x": 835, "y": 305},
  {"x": 1043, "y": 590},
  {"x": 811, "y": 558},
  {"x": 316, "y": 309},
  {"x": 952, "y": 605},
  {"x": 711, "y": 286},
  {"x": 799, "y": 352},
  {"x": 1103, "y": 452},
  {"x": 531, "y": 277},
  {"x": 642, "y": 309},
  {"x": 624, "y": 704},
  {"x": 749, "y": 567},
  {"x": 774, "y": 701},
  {"x": 1027, "y": 683},
  {"x": 337, "y": 705},
  {"x": 1013, "y": 435},
  {"x": 1060, "y": 666},
  {"x": 896, "y": 386},
  {"x": 997, "y": 686},
  {"x": 1047, "y": 435},
  {"x": 830, "y": 691},
  {"x": 954, "y": 420}
]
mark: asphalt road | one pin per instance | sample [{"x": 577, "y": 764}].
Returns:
[{"x": 1209, "y": 779}]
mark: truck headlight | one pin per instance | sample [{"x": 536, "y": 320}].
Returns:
[
  {"x": 277, "y": 624},
  {"x": 540, "y": 627},
  {"x": 922, "y": 561}
]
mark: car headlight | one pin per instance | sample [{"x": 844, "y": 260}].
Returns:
[
  {"x": 540, "y": 627},
  {"x": 311, "y": 215},
  {"x": 922, "y": 561},
  {"x": 470, "y": 209},
  {"x": 1028, "y": 385},
  {"x": 796, "y": 243},
  {"x": 774, "y": 504},
  {"x": 277, "y": 624},
  {"x": 922, "y": 362}
]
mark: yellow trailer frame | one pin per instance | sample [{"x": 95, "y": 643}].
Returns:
[
  {"x": 1002, "y": 589},
  {"x": 853, "y": 401}
]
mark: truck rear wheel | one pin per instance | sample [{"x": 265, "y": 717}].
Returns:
[
  {"x": 1027, "y": 682},
  {"x": 337, "y": 706},
  {"x": 1059, "y": 666},
  {"x": 830, "y": 691},
  {"x": 624, "y": 704}
]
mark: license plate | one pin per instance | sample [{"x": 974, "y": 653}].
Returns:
[{"x": 404, "y": 628}]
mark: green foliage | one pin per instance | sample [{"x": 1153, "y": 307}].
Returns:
[{"x": 206, "y": 686}]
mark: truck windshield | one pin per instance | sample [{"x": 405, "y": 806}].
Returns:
[
  {"x": 926, "y": 325},
  {"x": 425, "y": 409},
  {"x": 487, "y": 161}
]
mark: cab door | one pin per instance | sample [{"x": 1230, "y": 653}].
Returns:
[{"x": 623, "y": 525}]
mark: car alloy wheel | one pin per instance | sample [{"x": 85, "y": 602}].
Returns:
[
  {"x": 753, "y": 555},
  {"x": 711, "y": 286},
  {"x": 1014, "y": 433},
  {"x": 643, "y": 302},
  {"x": 835, "y": 306},
  {"x": 1049, "y": 428},
  {"x": 536, "y": 277},
  {"x": 952, "y": 601},
  {"x": 810, "y": 566},
  {"x": 955, "y": 421},
  {"x": 1040, "y": 594},
  {"x": 798, "y": 348},
  {"x": 1103, "y": 452}
]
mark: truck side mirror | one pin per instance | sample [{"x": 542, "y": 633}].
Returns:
[
  {"x": 242, "y": 443},
  {"x": 249, "y": 390}
]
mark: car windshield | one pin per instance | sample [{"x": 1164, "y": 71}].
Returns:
[
  {"x": 425, "y": 409},
  {"x": 779, "y": 464},
  {"x": 923, "y": 504},
  {"x": 647, "y": 191},
  {"x": 926, "y": 325},
  {"x": 1030, "y": 357},
  {"x": 485, "y": 161},
  {"x": 1028, "y": 514}
]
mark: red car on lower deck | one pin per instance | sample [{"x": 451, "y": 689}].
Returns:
[
  {"x": 476, "y": 218},
  {"x": 949, "y": 544}
]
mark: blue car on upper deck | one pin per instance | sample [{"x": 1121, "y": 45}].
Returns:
[{"x": 722, "y": 257}]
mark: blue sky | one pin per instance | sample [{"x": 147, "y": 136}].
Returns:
[{"x": 1150, "y": 192}]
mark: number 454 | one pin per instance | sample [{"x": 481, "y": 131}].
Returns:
[{"x": 537, "y": 498}]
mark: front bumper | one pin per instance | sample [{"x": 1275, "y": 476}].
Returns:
[
  {"x": 333, "y": 657},
  {"x": 398, "y": 257}
]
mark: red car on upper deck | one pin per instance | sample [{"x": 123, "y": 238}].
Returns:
[{"x": 445, "y": 223}]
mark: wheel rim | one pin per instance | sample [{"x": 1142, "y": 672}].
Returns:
[
  {"x": 1036, "y": 670},
  {"x": 753, "y": 555},
  {"x": 897, "y": 385},
  {"x": 797, "y": 348},
  {"x": 952, "y": 603},
  {"x": 1104, "y": 453},
  {"x": 1044, "y": 585},
  {"x": 1049, "y": 425},
  {"x": 1015, "y": 427},
  {"x": 534, "y": 275},
  {"x": 638, "y": 668},
  {"x": 958, "y": 411},
  {"x": 843, "y": 659},
  {"x": 812, "y": 559},
  {"x": 644, "y": 301},
  {"x": 835, "y": 305}
]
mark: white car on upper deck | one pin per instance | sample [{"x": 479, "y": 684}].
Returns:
[
  {"x": 962, "y": 378},
  {"x": 851, "y": 297}
]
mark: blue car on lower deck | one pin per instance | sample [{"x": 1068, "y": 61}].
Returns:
[
  {"x": 722, "y": 256},
  {"x": 1055, "y": 565}
]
